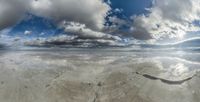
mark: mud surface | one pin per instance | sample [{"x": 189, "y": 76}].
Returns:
[{"x": 91, "y": 76}]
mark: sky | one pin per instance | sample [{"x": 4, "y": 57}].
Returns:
[{"x": 98, "y": 22}]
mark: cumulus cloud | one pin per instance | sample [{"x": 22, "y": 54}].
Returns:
[
  {"x": 117, "y": 21},
  {"x": 92, "y": 13},
  {"x": 167, "y": 19},
  {"x": 85, "y": 19},
  {"x": 78, "y": 36},
  {"x": 86, "y": 33},
  {"x": 27, "y": 32}
]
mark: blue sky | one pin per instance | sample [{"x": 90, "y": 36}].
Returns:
[
  {"x": 37, "y": 25},
  {"x": 131, "y": 7}
]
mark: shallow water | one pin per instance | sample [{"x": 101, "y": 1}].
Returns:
[{"x": 99, "y": 75}]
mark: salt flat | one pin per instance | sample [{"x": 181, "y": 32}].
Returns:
[{"x": 99, "y": 76}]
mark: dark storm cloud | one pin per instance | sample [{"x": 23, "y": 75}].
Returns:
[
  {"x": 1, "y": 46},
  {"x": 11, "y": 11},
  {"x": 73, "y": 41}
]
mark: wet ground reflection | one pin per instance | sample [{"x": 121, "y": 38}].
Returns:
[{"x": 99, "y": 76}]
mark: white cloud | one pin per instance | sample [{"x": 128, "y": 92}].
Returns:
[
  {"x": 80, "y": 36},
  {"x": 92, "y": 13},
  {"x": 86, "y": 33},
  {"x": 167, "y": 18},
  {"x": 118, "y": 10},
  {"x": 27, "y": 32},
  {"x": 117, "y": 21},
  {"x": 85, "y": 19}
]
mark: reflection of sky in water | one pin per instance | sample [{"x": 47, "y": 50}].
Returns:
[
  {"x": 172, "y": 65},
  {"x": 115, "y": 69},
  {"x": 178, "y": 69}
]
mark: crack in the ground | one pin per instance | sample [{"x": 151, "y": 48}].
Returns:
[
  {"x": 171, "y": 82},
  {"x": 95, "y": 97},
  {"x": 98, "y": 86}
]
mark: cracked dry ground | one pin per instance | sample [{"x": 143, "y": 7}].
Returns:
[{"x": 27, "y": 76}]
